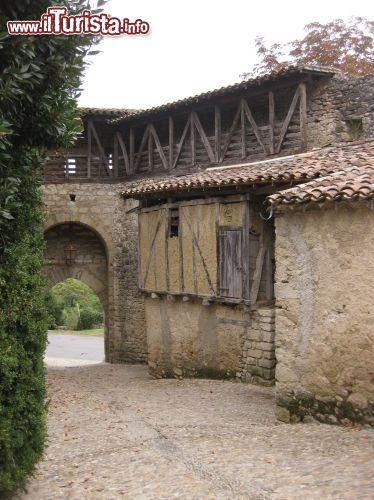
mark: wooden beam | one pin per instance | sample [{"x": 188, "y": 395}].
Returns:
[
  {"x": 203, "y": 136},
  {"x": 124, "y": 152},
  {"x": 150, "y": 255},
  {"x": 245, "y": 243},
  {"x": 288, "y": 119},
  {"x": 167, "y": 270},
  {"x": 193, "y": 141},
  {"x": 217, "y": 133},
  {"x": 181, "y": 258},
  {"x": 196, "y": 244},
  {"x": 182, "y": 141},
  {"x": 101, "y": 149},
  {"x": 254, "y": 125},
  {"x": 150, "y": 150},
  {"x": 231, "y": 133},
  {"x": 242, "y": 133},
  {"x": 303, "y": 116},
  {"x": 158, "y": 146},
  {"x": 258, "y": 271},
  {"x": 142, "y": 146},
  {"x": 132, "y": 152},
  {"x": 271, "y": 121},
  {"x": 115, "y": 157},
  {"x": 171, "y": 141}
]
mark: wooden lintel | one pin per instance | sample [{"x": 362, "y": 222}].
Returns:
[
  {"x": 203, "y": 136},
  {"x": 288, "y": 119}
]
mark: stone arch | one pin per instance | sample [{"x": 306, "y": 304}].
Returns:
[{"x": 89, "y": 265}]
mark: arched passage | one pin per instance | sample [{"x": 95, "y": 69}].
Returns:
[{"x": 74, "y": 250}]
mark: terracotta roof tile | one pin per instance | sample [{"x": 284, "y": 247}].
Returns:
[
  {"x": 289, "y": 169},
  {"x": 109, "y": 113},
  {"x": 350, "y": 184},
  {"x": 228, "y": 90}
]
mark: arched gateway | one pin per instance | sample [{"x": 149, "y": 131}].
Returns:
[{"x": 91, "y": 236}]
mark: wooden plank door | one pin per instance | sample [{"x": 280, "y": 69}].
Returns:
[{"x": 230, "y": 263}]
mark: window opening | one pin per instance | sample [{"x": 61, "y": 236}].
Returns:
[{"x": 173, "y": 222}]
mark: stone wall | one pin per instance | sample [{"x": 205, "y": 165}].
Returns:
[
  {"x": 187, "y": 338},
  {"x": 340, "y": 109},
  {"x": 325, "y": 314},
  {"x": 100, "y": 208}
]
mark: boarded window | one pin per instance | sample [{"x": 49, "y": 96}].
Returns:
[{"x": 230, "y": 263}]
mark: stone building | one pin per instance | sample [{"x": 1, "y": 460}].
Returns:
[{"x": 252, "y": 255}]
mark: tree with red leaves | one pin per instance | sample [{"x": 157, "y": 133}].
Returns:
[{"x": 346, "y": 46}]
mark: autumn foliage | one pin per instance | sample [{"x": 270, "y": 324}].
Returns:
[{"x": 346, "y": 46}]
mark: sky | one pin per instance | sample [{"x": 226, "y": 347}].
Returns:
[{"x": 194, "y": 46}]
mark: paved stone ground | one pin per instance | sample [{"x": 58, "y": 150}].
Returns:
[{"x": 115, "y": 433}]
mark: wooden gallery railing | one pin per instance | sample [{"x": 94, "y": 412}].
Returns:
[{"x": 144, "y": 149}]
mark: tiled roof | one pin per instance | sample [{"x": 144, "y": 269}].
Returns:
[
  {"x": 107, "y": 112},
  {"x": 289, "y": 169},
  {"x": 230, "y": 89},
  {"x": 350, "y": 184}
]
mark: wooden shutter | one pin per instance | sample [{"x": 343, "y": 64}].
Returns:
[{"x": 230, "y": 262}]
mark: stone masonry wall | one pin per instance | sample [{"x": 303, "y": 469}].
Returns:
[
  {"x": 258, "y": 357},
  {"x": 335, "y": 108},
  {"x": 101, "y": 209},
  {"x": 187, "y": 338},
  {"x": 325, "y": 315}
]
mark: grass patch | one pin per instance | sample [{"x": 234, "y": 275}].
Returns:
[{"x": 97, "y": 332}]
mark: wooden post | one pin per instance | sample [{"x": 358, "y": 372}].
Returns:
[
  {"x": 242, "y": 132},
  {"x": 150, "y": 152},
  {"x": 115, "y": 157},
  {"x": 193, "y": 141},
  {"x": 171, "y": 142},
  {"x": 303, "y": 117},
  {"x": 217, "y": 133},
  {"x": 271, "y": 121},
  {"x": 132, "y": 150},
  {"x": 124, "y": 152}
]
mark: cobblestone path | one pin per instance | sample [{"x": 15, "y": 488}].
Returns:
[{"x": 115, "y": 433}]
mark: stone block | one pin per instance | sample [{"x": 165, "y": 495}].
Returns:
[{"x": 255, "y": 353}]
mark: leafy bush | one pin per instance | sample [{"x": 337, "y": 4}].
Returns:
[
  {"x": 55, "y": 309},
  {"x": 80, "y": 305},
  {"x": 89, "y": 318},
  {"x": 39, "y": 76}
]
